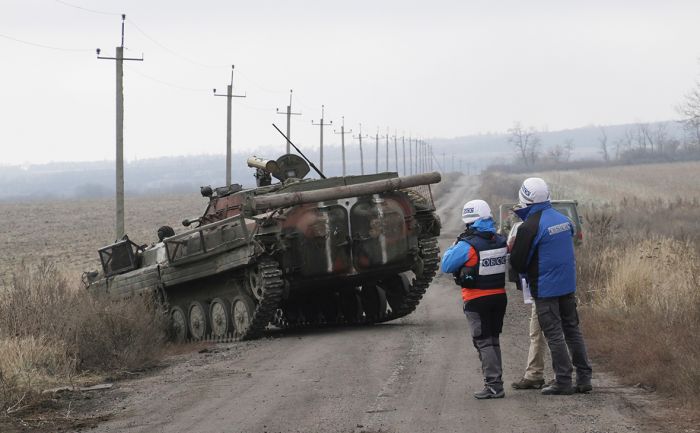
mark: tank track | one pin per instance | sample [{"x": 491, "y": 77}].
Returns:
[
  {"x": 272, "y": 290},
  {"x": 429, "y": 252}
]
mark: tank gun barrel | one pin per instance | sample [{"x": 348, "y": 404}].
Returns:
[{"x": 340, "y": 192}]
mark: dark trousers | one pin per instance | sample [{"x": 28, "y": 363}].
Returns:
[
  {"x": 485, "y": 317},
  {"x": 559, "y": 322}
]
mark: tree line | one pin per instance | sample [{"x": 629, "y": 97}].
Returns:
[{"x": 641, "y": 142}]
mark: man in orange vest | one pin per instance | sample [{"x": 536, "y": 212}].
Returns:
[{"x": 478, "y": 262}]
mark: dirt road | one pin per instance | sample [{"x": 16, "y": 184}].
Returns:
[{"x": 412, "y": 375}]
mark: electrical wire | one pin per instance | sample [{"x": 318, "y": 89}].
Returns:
[
  {"x": 172, "y": 52},
  {"x": 253, "y": 107},
  {"x": 166, "y": 83},
  {"x": 94, "y": 11},
  {"x": 49, "y": 47},
  {"x": 258, "y": 85}
]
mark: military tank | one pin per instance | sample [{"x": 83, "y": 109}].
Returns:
[{"x": 301, "y": 252}]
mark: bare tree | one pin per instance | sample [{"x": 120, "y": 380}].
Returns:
[
  {"x": 526, "y": 142},
  {"x": 690, "y": 110},
  {"x": 603, "y": 140},
  {"x": 561, "y": 152},
  {"x": 661, "y": 136},
  {"x": 555, "y": 153},
  {"x": 642, "y": 135},
  {"x": 568, "y": 149}
]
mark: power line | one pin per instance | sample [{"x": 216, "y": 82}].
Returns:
[
  {"x": 94, "y": 11},
  {"x": 49, "y": 47},
  {"x": 173, "y": 52},
  {"x": 259, "y": 86},
  {"x": 175, "y": 86}
]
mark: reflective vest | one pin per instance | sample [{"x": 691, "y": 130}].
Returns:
[{"x": 490, "y": 269}]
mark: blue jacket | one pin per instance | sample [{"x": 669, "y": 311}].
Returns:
[
  {"x": 544, "y": 250},
  {"x": 457, "y": 255}
]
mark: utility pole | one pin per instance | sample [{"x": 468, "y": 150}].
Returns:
[
  {"x": 418, "y": 155},
  {"x": 387, "y": 149},
  {"x": 362, "y": 157},
  {"x": 321, "y": 125},
  {"x": 426, "y": 160},
  {"x": 376, "y": 142},
  {"x": 229, "y": 95},
  {"x": 396, "y": 153},
  {"x": 416, "y": 144},
  {"x": 342, "y": 140},
  {"x": 289, "y": 114},
  {"x": 429, "y": 155},
  {"x": 403, "y": 148},
  {"x": 410, "y": 155},
  {"x": 119, "y": 60},
  {"x": 425, "y": 157}
]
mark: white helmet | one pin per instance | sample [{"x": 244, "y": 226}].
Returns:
[
  {"x": 534, "y": 190},
  {"x": 474, "y": 210}
]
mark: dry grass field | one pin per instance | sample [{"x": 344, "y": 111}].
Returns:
[
  {"x": 68, "y": 233},
  {"x": 51, "y": 333},
  {"x": 667, "y": 182}
]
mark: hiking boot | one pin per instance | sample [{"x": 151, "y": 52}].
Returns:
[
  {"x": 558, "y": 389},
  {"x": 489, "y": 392},
  {"x": 584, "y": 388},
  {"x": 528, "y": 384}
]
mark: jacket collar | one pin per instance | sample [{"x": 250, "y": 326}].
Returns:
[
  {"x": 484, "y": 225},
  {"x": 525, "y": 212}
]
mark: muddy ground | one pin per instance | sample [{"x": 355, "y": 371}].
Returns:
[{"x": 413, "y": 375}]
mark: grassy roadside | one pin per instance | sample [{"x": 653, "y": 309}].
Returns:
[
  {"x": 53, "y": 334},
  {"x": 638, "y": 285}
]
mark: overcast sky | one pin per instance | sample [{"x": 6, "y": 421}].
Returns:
[{"x": 434, "y": 69}]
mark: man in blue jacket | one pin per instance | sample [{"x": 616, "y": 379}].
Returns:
[{"x": 544, "y": 251}]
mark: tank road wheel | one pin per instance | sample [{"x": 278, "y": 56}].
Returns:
[
  {"x": 242, "y": 309},
  {"x": 373, "y": 302},
  {"x": 198, "y": 320},
  {"x": 256, "y": 282},
  {"x": 220, "y": 318},
  {"x": 178, "y": 324}
]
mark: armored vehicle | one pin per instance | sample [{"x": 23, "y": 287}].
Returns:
[{"x": 341, "y": 250}]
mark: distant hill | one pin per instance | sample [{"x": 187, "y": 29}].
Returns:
[{"x": 185, "y": 174}]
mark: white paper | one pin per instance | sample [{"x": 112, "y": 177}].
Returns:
[{"x": 527, "y": 296}]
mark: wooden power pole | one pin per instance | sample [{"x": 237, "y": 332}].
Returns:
[
  {"x": 119, "y": 60},
  {"x": 342, "y": 140},
  {"x": 229, "y": 95}
]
